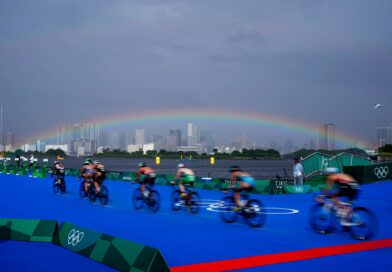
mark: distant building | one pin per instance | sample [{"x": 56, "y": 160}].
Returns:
[
  {"x": 133, "y": 148},
  {"x": 116, "y": 140},
  {"x": 83, "y": 147},
  {"x": 383, "y": 136},
  {"x": 240, "y": 143},
  {"x": 207, "y": 139},
  {"x": 148, "y": 147},
  {"x": 140, "y": 138},
  {"x": 326, "y": 137},
  {"x": 159, "y": 142},
  {"x": 189, "y": 148},
  {"x": 29, "y": 147},
  {"x": 312, "y": 144},
  {"x": 192, "y": 135},
  {"x": 69, "y": 132},
  {"x": 173, "y": 140}
]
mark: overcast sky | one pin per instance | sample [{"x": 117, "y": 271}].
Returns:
[{"x": 314, "y": 61}]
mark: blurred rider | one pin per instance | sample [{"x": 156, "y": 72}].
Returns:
[
  {"x": 240, "y": 181},
  {"x": 145, "y": 175},
  {"x": 342, "y": 188},
  {"x": 99, "y": 175},
  {"x": 58, "y": 170},
  {"x": 184, "y": 176},
  {"x": 87, "y": 172}
]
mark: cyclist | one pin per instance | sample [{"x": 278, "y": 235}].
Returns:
[
  {"x": 58, "y": 171},
  {"x": 87, "y": 172},
  {"x": 347, "y": 189},
  {"x": 184, "y": 176},
  {"x": 145, "y": 175},
  {"x": 99, "y": 175},
  {"x": 240, "y": 181}
]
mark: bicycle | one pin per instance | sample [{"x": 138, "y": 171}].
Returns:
[
  {"x": 251, "y": 210},
  {"x": 59, "y": 184},
  {"x": 82, "y": 190},
  {"x": 191, "y": 200},
  {"x": 151, "y": 199},
  {"x": 103, "y": 194},
  {"x": 361, "y": 222}
]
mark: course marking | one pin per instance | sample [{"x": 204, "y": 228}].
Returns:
[{"x": 284, "y": 257}]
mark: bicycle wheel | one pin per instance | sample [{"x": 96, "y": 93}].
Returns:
[
  {"x": 176, "y": 201},
  {"x": 56, "y": 186},
  {"x": 253, "y": 215},
  {"x": 154, "y": 201},
  {"x": 194, "y": 202},
  {"x": 92, "y": 194},
  {"x": 227, "y": 212},
  {"x": 82, "y": 191},
  {"x": 104, "y": 195},
  {"x": 321, "y": 219},
  {"x": 364, "y": 224},
  {"x": 137, "y": 199}
]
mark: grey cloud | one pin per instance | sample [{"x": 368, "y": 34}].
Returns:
[{"x": 253, "y": 37}]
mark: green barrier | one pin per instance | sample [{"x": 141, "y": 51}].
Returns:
[
  {"x": 263, "y": 187},
  {"x": 370, "y": 173},
  {"x": 298, "y": 189},
  {"x": 129, "y": 176},
  {"x": 114, "y": 175},
  {"x": 27, "y": 229},
  {"x": 115, "y": 252},
  {"x": 277, "y": 186}
]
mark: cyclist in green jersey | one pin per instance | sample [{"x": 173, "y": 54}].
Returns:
[{"x": 184, "y": 176}]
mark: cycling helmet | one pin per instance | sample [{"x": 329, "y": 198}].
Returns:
[
  {"x": 331, "y": 170},
  {"x": 86, "y": 163},
  {"x": 180, "y": 165},
  {"x": 142, "y": 164},
  {"x": 96, "y": 162},
  {"x": 234, "y": 168}
]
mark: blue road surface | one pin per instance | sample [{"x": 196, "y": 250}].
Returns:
[{"x": 183, "y": 238}]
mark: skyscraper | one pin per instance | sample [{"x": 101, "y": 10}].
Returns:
[
  {"x": 193, "y": 135},
  {"x": 68, "y": 132},
  {"x": 326, "y": 136},
  {"x": 207, "y": 138},
  {"x": 139, "y": 140},
  {"x": 174, "y": 139},
  {"x": 383, "y": 136}
]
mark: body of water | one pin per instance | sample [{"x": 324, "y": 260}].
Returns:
[{"x": 260, "y": 169}]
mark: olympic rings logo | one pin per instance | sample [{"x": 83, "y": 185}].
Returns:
[
  {"x": 381, "y": 172},
  {"x": 299, "y": 189},
  {"x": 74, "y": 237}
]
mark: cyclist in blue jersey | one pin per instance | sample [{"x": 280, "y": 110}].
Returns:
[{"x": 240, "y": 181}]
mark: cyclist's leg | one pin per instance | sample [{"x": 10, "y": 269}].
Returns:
[
  {"x": 87, "y": 181},
  {"x": 97, "y": 182},
  {"x": 181, "y": 187}
]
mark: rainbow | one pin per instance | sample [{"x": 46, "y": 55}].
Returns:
[{"x": 217, "y": 116}]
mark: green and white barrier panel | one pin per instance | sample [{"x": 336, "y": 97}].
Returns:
[
  {"x": 27, "y": 229},
  {"x": 298, "y": 189},
  {"x": 370, "y": 173},
  {"x": 112, "y": 251},
  {"x": 115, "y": 252}
]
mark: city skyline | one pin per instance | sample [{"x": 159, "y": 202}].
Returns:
[{"x": 310, "y": 62}]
